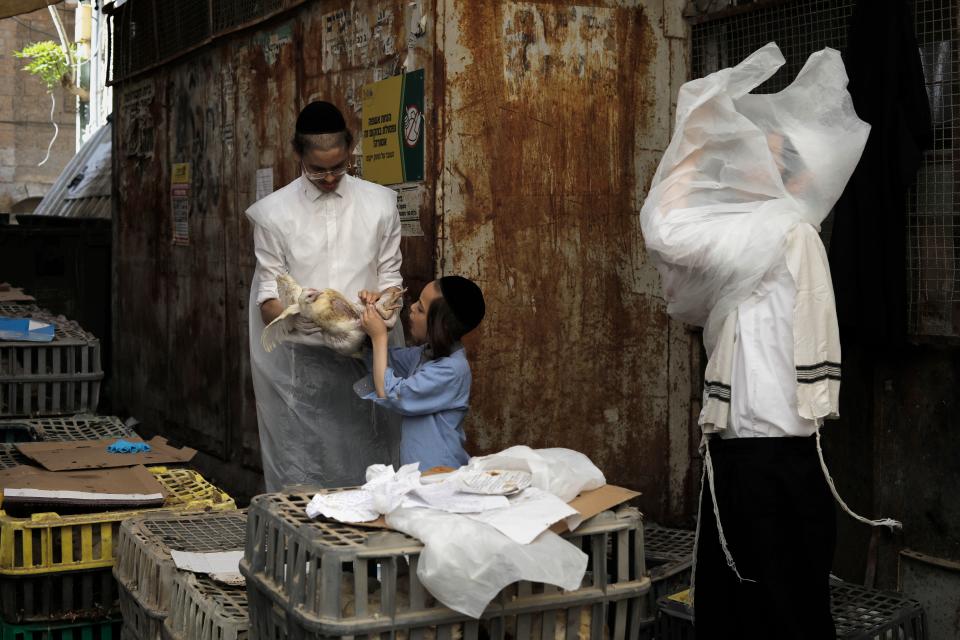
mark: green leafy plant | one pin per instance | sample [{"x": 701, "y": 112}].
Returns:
[{"x": 49, "y": 62}]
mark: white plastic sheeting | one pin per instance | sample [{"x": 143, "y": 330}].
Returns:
[
  {"x": 465, "y": 563},
  {"x": 741, "y": 170}
]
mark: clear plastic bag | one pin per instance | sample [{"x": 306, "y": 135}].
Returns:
[{"x": 741, "y": 171}]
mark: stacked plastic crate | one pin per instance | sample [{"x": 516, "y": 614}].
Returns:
[
  {"x": 55, "y": 568},
  {"x": 160, "y": 601},
  {"x": 317, "y": 578},
  {"x": 859, "y": 613},
  {"x": 669, "y": 558},
  {"x": 61, "y": 377}
]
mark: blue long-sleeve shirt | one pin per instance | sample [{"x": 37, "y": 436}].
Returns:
[{"x": 432, "y": 396}]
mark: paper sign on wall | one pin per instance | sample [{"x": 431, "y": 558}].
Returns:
[
  {"x": 180, "y": 179},
  {"x": 409, "y": 198}
]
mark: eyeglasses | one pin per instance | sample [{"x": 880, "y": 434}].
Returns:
[{"x": 320, "y": 175}]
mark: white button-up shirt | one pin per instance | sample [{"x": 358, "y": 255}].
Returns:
[
  {"x": 347, "y": 240},
  {"x": 763, "y": 389}
]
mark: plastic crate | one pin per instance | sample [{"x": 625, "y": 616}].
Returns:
[
  {"x": 104, "y": 630},
  {"x": 72, "y": 595},
  {"x": 669, "y": 555},
  {"x": 674, "y": 617},
  {"x": 202, "y": 609},
  {"x": 65, "y": 429},
  {"x": 859, "y": 613},
  {"x": 312, "y": 576},
  {"x": 145, "y": 570},
  {"x": 10, "y": 456},
  {"x": 48, "y": 542},
  {"x": 16, "y": 431},
  {"x": 83, "y": 426},
  {"x": 49, "y": 378}
]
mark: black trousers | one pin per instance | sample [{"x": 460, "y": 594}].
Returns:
[{"x": 779, "y": 522}]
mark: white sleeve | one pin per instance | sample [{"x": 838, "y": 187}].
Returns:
[
  {"x": 270, "y": 262},
  {"x": 389, "y": 259}
]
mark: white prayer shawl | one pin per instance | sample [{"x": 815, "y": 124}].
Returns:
[{"x": 816, "y": 340}]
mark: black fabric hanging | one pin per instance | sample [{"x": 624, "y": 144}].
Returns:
[{"x": 868, "y": 241}]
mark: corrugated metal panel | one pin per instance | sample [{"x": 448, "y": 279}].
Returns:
[
  {"x": 83, "y": 188},
  {"x": 556, "y": 115}
]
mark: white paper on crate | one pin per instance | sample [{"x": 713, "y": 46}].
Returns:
[
  {"x": 528, "y": 514},
  {"x": 219, "y": 562}
]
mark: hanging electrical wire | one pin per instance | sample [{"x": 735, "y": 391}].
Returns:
[{"x": 56, "y": 130}]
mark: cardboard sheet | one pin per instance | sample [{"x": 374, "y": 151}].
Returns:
[
  {"x": 9, "y": 293},
  {"x": 93, "y": 454},
  {"x": 590, "y": 503},
  {"x": 133, "y": 486}
]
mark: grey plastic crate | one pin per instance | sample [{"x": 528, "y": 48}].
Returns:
[
  {"x": 311, "y": 576},
  {"x": 139, "y": 621},
  {"x": 16, "y": 431},
  {"x": 869, "y": 614},
  {"x": 145, "y": 569},
  {"x": 61, "y": 377},
  {"x": 58, "y": 597},
  {"x": 202, "y": 609},
  {"x": 84, "y": 426},
  {"x": 10, "y": 457},
  {"x": 669, "y": 554},
  {"x": 859, "y": 613}
]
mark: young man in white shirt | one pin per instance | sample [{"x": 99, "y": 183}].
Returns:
[{"x": 327, "y": 229}]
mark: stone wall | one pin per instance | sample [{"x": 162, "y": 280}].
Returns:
[{"x": 25, "y": 127}]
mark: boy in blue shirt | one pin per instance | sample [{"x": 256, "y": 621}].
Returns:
[{"x": 429, "y": 385}]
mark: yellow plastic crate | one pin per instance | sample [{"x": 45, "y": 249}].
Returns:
[{"x": 48, "y": 542}]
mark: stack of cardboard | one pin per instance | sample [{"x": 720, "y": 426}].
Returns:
[{"x": 62, "y": 502}]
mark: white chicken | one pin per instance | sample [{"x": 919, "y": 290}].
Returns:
[{"x": 337, "y": 317}]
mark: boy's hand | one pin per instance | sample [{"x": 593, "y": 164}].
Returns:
[
  {"x": 372, "y": 323},
  {"x": 369, "y": 297}
]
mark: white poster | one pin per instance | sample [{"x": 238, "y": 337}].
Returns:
[
  {"x": 409, "y": 198},
  {"x": 264, "y": 182}
]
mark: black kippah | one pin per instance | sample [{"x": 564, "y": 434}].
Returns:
[
  {"x": 320, "y": 117},
  {"x": 465, "y": 300}
]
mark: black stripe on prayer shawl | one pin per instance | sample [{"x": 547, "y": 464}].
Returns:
[
  {"x": 826, "y": 370},
  {"x": 717, "y": 390},
  {"x": 824, "y": 363}
]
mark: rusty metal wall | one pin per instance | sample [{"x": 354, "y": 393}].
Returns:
[
  {"x": 545, "y": 123},
  {"x": 555, "y": 115},
  {"x": 228, "y": 109}
]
